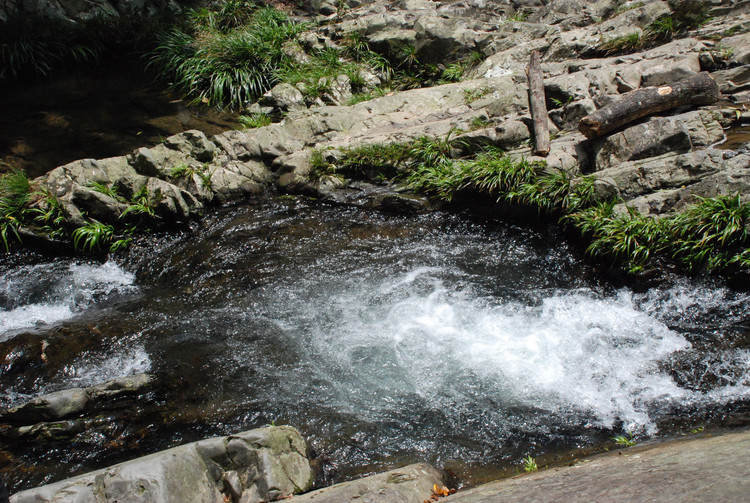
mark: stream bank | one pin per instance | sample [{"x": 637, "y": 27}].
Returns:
[{"x": 525, "y": 291}]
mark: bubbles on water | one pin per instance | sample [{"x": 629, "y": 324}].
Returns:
[
  {"x": 124, "y": 358},
  {"x": 52, "y": 292},
  {"x": 599, "y": 360}
]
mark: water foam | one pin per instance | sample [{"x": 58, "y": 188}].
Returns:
[
  {"x": 596, "y": 358},
  {"x": 48, "y": 293}
]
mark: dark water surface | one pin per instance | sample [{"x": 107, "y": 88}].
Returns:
[
  {"x": 383, "y": 339},
  {"x": 106, "y": 110}
]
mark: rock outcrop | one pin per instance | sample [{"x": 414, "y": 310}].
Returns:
[
  {"x": 254, "y": 466},
  {"x": 657, "y": 162}
]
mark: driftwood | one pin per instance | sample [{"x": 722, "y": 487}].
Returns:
[
  {"x": 538, "y": 106},
  {"x": 700, "y": 89}
]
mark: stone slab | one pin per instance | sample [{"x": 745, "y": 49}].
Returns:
[{"x": 693, "y": 470}]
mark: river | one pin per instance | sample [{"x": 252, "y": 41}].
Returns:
[{"x": 384, "y": 339}]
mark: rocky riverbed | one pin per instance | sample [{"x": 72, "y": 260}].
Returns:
[{"x": 658, "y": 165}]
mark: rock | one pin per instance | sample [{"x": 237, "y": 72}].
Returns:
[
  {"x": 193, "y": 144},
  {"x": 266, "y": 464},
  {"x": 733, "y": 179},
  {"x": 680, "y": 470},
  {"x": 739, "y": 45},
  {"x": 56, "y": 405},
  {"x": 674, "y": 69},
  {"x": 669, "y": 171},
  {"x": 410, "y": 484},
  {"x": 282, "y": 98},
  {"x": 656, "y": 136},
  {"x": 76, "y": 401},
  {"x": 339, "y": 90}
]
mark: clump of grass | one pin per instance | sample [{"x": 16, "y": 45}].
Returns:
[
  {"x": 480, "y": 122},
  {"x": 49, "y": 214},
  {"x": 254, "y": 120},
  {"x": 625, "y": 440},
  {"x": 381, "y": 157},
  {"x": 93, "y": 236},
  {"x": 225, "y": 67},
  {"x": 454, "y": 72},
  {"x": 687, "y": 16},
  {"x": 711, "y": 234},
  {"x": 33, "y": 45},
  {"x": 625, "y": 43},
  {"x": 15, "y": 192},
  {"x": 319, "y": 166},
  {"x": 529, "y": 464},
  {"x": 188, "y": 172}
]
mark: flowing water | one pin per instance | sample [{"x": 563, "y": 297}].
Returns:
[{"x": 383, "y": 339}]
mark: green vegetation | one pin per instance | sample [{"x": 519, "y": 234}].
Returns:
[
  {"x": 529, "y": 464},
  {"x": 662, "y": 29},
  {"x": 187, "y": 172},
  {"x": 255, "y": 120},
  {"x": 33, "y": 45},
  {"x": 625, "y": 43},
  {"x": 517, "y": 17},
  {"x": 224, "y": 58},
  {"x": 42, "y": 213},
  {"x": 14, "y": 198},
  {"x": 92, "y": 236},
  {"x": 50, "y": 214},
  {"x": 711, "y": 234},
  {"x": 480, "y": 122},
  {"x": 624, "y": 441}
]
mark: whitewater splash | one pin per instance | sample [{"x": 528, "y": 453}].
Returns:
[
  {"x": 594, "y": 360},
  {"x": 35, "y": 295}
]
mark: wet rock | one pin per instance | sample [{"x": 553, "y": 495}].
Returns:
[
  {"x": 57, "y": 405},
  {"x": 266, "y": 464},
  {"x": 410, "y": 484},
  {"x": 400, "y": 203},
  {"x": 74, "y": 402}
]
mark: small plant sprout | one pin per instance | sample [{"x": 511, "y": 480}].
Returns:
[
  {"x": 625, "y": 441},
  {"x": 529, "y": 464}
]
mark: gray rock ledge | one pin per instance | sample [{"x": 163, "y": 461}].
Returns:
[{"x": 250, "y": 467}]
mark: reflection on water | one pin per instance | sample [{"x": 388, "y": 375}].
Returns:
[
  {"x": 99, "y": 112},
  {"x": 384, "y": 339}
]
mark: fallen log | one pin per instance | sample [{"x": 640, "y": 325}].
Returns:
[
  {"x": 537, "y": 105},
  {"x": 700, "y": 89}
]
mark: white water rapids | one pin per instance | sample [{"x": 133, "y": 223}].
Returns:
[{"x": 381, "y": 338}]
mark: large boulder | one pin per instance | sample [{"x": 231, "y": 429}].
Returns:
[{"x": 254, "y": 466}]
